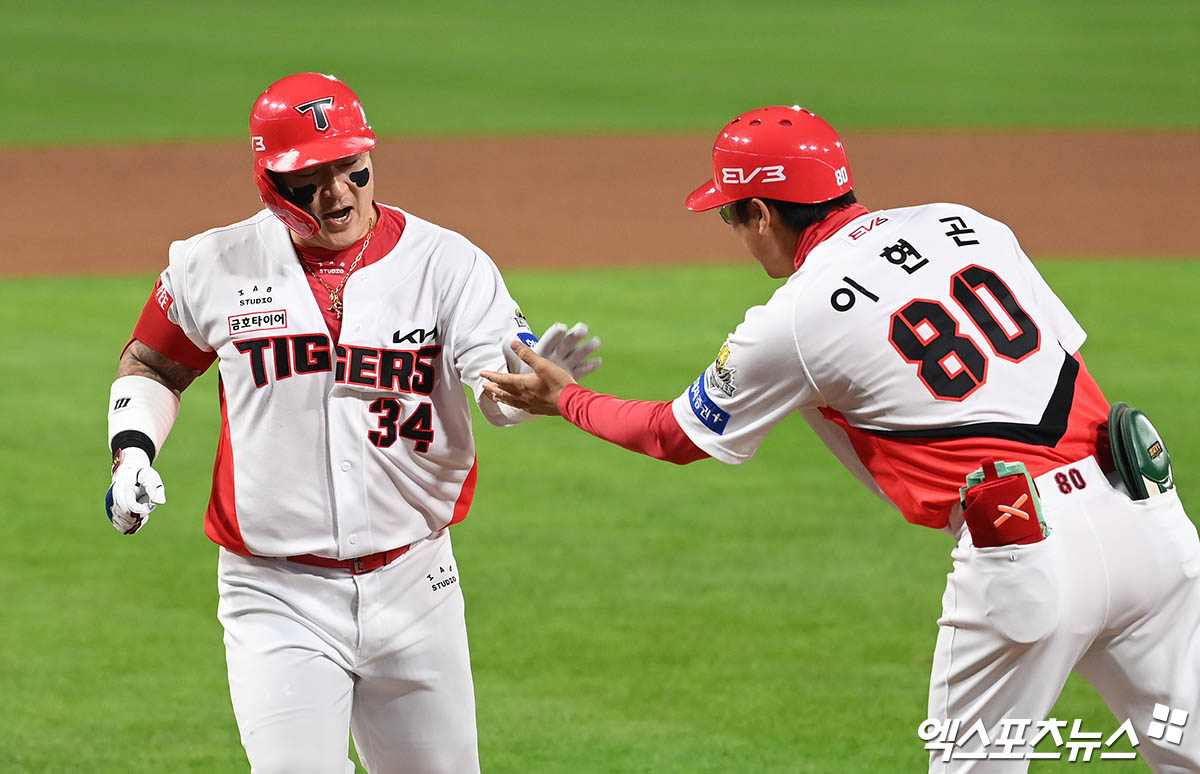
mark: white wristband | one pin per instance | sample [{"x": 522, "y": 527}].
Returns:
[{"x": 140, "y": 404}]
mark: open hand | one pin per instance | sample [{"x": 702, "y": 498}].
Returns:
[
  {"x": 536, "y": 392},
  {"x": 567, "y": 348}
]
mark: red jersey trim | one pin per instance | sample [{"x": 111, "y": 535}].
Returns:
[
  {"x": 155, "y": 330},
  {"x": 922, "y": 476},
  {"x": 467, "y": 495},
  {"x": 819, "y": 232},
  {"x": 220, "y": 520}
]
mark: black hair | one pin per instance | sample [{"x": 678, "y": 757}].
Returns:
[{"x": 796, "y": 216}]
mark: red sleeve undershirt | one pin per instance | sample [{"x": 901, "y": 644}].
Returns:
[
  {"x": 156, "y": 331},
  {"x": 644, "y": 426}
]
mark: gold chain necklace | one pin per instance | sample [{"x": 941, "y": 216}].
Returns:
[{"x": 335, "y": 297}]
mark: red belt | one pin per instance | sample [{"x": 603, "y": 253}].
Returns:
[{"x": 356, "y": 566}]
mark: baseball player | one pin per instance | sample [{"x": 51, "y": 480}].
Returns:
[
  {"x": 342, "y": 329},
  {"x": 929, "y": 355}
]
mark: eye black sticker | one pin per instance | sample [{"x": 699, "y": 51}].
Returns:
[
  {"x": 361, "y": 177},
  {"x": 303, "y": 196}
]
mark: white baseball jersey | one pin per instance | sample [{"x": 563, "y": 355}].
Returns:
[
  {"x": 914, "y": 341},
  {"x": 340, "y": 449},
  {"x": 918, "y": 342}
]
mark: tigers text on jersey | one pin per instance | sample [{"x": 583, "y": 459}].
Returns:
[
  {"x": 915, "y": 341},
  {"x": 346, "y": 448}
]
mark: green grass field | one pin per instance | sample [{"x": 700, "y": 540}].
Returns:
[
  {"x": 625, "y": 615},
  {"x": 137, "y": 70}
]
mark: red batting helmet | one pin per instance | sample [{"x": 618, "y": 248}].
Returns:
[
  {"x": 301, "y": 121},
  {"x": 784, "y": 153}
]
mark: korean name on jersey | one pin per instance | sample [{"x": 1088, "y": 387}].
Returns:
[{"x": 904, "y": 321}]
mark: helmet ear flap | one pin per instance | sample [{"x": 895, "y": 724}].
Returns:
[{"x": 303, "y": 223}]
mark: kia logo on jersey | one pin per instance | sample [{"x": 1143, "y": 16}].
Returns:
[
  {"x": 317, "y": 106},
  {"x": 771, "y": 174},
  {"x": 415, "y": 336}
]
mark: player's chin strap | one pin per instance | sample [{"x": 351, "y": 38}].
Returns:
[{"x": 141, "y": 412}]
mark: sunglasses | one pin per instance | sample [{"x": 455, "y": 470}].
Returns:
[{"x": 726, "y": 211}]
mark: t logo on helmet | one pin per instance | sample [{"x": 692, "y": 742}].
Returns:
[
  {"x": 772, "y": 174},
  {"x": 317, "y": 106}
]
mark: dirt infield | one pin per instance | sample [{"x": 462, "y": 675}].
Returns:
[{"x": 562, "y": 202}]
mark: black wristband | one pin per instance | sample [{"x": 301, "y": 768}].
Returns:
[{"x": 130, "y": 438}]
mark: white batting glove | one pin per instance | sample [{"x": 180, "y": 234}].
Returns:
[
  {"x": 563, "y": 348},
  {"x": 136, "y": 490}
]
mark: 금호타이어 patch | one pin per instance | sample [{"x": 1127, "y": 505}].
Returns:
[{"x": 275, "y": 319}]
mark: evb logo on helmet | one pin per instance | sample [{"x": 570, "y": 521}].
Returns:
[{"x": 771, "y": 174}]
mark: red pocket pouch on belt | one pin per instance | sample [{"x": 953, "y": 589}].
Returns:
[{"x": 1001, "y": 506}]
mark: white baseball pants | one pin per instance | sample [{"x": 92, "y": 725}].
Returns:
[
  {"x": 1113, "y": 593},
  {"x": 317, "y": 653}
]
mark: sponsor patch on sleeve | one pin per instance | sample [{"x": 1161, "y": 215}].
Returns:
[
  {"x": 709, "y": 414},
  {"x": 162, "y": 296},
  {"x": 721, "y": 376},
  {"x": 526, "y": 338}
]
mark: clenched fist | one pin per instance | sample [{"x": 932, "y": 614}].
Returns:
[{"x": 136, "y": 490}]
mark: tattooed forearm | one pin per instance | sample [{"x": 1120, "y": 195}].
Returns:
[{"x": 141, "y": 360}]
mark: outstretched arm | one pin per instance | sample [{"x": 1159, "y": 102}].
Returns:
[
  {"x": 646, "y": 427},
  {"x": 537, "y": 392}
]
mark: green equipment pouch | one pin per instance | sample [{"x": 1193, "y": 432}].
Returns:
[{"x": 1139, "y": 453}]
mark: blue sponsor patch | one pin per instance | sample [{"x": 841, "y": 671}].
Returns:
[
  {"x": 709, "y": 414},
  {"x": 528, "y": 339}
]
